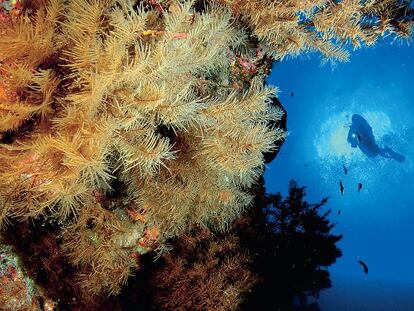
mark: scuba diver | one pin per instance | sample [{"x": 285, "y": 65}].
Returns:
[{"x": 360, "y": 135}]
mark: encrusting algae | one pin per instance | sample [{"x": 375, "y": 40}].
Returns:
[{"x": 128, "y": 123}]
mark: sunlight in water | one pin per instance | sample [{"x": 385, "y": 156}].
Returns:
[
  {"x": 331, "y": 140},
  {"x": 380, "y": 123}
]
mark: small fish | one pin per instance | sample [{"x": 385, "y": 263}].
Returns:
[
  {"x": 364, "y": 266},
  {"x": 345, "y": 169},
  {"x": 291, "y": 94},
  {"x": 339, "y": 212},
  {"x": 341, "y": 187},
  {"x": 359, "y": 187}
]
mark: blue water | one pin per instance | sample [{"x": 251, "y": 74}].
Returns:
[{"x": 378, "y": 222}]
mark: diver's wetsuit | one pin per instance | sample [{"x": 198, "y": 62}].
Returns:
[{"x": 360, "y": 135}]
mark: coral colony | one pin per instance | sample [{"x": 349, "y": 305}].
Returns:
[{"x": 125, "y": 124}]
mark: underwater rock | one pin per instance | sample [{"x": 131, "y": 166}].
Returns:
[
  {"x": 271, "y": 155},
  {"x": 9, "y": 8},
  {"x": 18, "y": 291}
]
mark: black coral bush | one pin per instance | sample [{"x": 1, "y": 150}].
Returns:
[
  {"x": 291, "y": 27},
  {"x": 130, "y": 122},
  {"x": 125, "y": 148}
]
